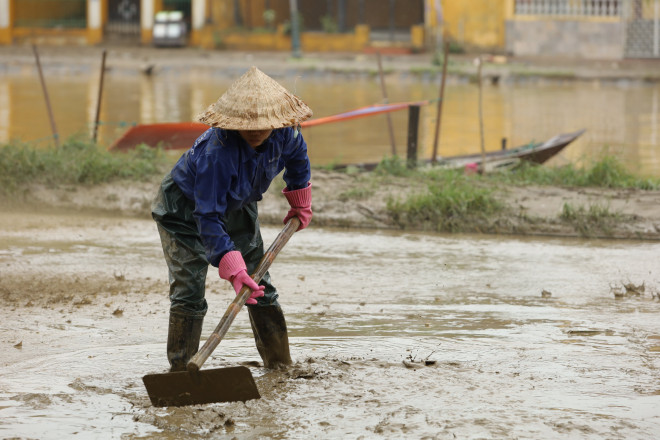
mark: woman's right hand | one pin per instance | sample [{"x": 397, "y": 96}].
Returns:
[
  {"x": 232, "y": 268},
  {"x": 241, "y": 279}
]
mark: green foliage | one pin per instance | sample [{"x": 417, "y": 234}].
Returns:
[
  {"x": 359, "y": 193},
  {"x": 455, "y": 47},
  {"x": 286, "y": 26},
  {"x": 452, "y": 202},
  {"x": 74, "y": 161},
  {"x": 438, "y": 58},
  {"x": 393, "y": 166},
  {"x": 588, "y": 221},
  {"x": 608, "y": 172},
  {"x": 269, "y": 18},
  {"x": 329, "y": 24}
]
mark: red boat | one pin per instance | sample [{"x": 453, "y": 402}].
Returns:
[{"x": 181, "y": 135}]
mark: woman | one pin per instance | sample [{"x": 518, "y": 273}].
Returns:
[{"x": 206, "y": 210}]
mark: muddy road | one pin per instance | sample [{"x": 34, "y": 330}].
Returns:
[{"x": 394, "y": 335}]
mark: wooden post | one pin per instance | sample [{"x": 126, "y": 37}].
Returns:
[
  {"x": 387, "y": 115},
  {"x": 441, "y": 97},
  {"x": 482, "y": 168},
  {"x": 413, "y": 129},
  {"x": 392, "y": 20},
  {"x": 238, "y": 19},
  {"x": 98, "y": 102},
  {"x": 45, "y": 90},
  {"x": 295, "y": 29},
  {"x": 341, "y": 15}
]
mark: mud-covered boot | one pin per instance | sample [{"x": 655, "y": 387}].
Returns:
[
  {"x": 270, "y": 335},
  {"x": 183, "y": 340}
]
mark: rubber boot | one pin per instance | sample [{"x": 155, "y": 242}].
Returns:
[
  {"x": 183, "y": 340},
  {"x": 270, "y": 335}
]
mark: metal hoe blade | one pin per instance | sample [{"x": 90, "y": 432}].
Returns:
[{"x": 206, "y": 386}]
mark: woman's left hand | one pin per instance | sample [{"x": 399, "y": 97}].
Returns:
[{"x": 300, "y": 201}]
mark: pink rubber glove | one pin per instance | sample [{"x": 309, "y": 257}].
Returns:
[
  {"x": 232, "y": 268},
  {"x": 300, "y": 201}
]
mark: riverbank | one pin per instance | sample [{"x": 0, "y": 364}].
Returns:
[
  {"x": 357, "y": 201},
  {"x": 162, "y": 61}
]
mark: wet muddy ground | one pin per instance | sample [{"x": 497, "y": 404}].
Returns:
[{"x": 394, "y": 335}]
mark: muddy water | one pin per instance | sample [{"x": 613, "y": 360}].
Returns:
[
  {"x": 622, "y": 118},
  {"x": 394, "y": 335}
]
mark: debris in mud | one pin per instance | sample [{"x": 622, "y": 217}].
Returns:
[
  {"x": 629, "y": 289},
  {"x": 82, "y": 302},
  {"x": 184, "y": 421},
  {"x": 19, "y": 345},
  {"x": 584, "y": 332},
  {"x": 617, "y": 291},
  {"x": 632, "y": 289},
  {"x": 302, "y": 373},
  {"x": 412, "y": 363},
  {"x": 255, "y": 364}
]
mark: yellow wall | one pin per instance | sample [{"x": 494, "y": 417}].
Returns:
[
  {"x": 309, "y": 41},
  {"x": 71, "y": 10},
  {"x": 222, "y": 13},
  {"x": 476, "y": 23}
]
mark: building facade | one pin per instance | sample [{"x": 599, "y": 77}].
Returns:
[{"x": 604, "y": 29}]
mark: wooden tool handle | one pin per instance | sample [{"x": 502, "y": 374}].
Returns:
[{"x": 221, "y": 329}]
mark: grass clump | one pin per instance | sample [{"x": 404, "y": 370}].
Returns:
[
  {"x": 451, "y": 203},
  {"x": 394, "y": 166},
  {"x": 590, "y": 221},
  {"x": 607, "y": 172},
  {"x": 75, "y": 161},
  {"x": 359, "y": 193}
]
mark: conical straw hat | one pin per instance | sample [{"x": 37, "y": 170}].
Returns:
[{"x": 255, "y": 101}]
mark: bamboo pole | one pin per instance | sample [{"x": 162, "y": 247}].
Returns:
[
  {"x": 441, "y": 97},
  {"x": 45, "y": 90},
  {"x": 98, "y": 102},
  {"x": 387, "y": 115},
  {"x": 220, "y": 331}
]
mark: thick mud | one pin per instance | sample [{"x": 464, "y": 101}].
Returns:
[{"x": 394, "y": 335}]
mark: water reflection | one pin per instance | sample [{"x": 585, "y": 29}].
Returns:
[{"x": 621, "y": 118}]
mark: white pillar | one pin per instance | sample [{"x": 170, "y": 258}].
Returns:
[
  {"x": 5, "y": 22},
  {"x": 198, "y": 12},
  {"x": 147, "y": 9},
  {"x": 94, "y": 28},
  {"x": 93, "y": 14},
  {"x": 4, "y": 14}
]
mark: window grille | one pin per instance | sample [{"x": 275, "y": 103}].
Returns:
[{"x": 599, "y": 8}]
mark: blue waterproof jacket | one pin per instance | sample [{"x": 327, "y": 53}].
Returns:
[{"x": 222, "y": 173}]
